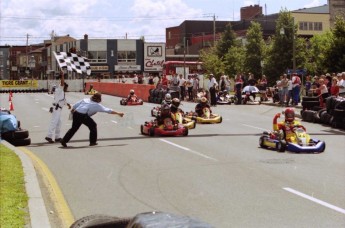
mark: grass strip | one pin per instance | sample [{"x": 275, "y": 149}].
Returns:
[{"x": 13, "y": 197}]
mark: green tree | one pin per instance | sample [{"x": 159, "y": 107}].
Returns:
[
  {"x": 234, "y": 60},
  {"x": 280, "y": 54},
  {"x": 255, "y": 49},
  {"x": 228, "y": 39},
  {"x": 335, "y": 57},
  {"x": 319, "y": 45},
  {"x": 211, "y": 62}
]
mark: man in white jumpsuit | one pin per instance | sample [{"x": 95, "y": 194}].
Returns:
[{"x": 59, "y": 102}]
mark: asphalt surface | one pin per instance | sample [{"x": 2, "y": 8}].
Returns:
[{"x": 184, "y": 175}]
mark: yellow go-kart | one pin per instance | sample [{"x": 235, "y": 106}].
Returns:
[{"x": 207, "y": 117}]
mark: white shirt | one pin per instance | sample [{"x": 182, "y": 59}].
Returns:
[
  {"x": 341, "y": 83},
  {"x": 212, "y": 83},
  {"x": 59, "y": 96}
]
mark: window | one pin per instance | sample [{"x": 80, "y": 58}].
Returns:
[
  {"x": 311, "y": 27},
  {"x": 126, "y": 56},
  {"x": 318, "y": 26},
  {"x": 97, "y": 56}
]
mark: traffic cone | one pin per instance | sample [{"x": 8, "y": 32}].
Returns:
[
  {"x": 11, "y": 106},
  {"x": 11, "y": 94},
  {"x": 10, "y": 97}
]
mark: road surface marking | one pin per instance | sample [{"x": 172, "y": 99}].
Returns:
[
  {"x": 189, "y": 150},
  {"x": 255, "y": 127},
  {"x": 114, "y": 121},
  {"x": 46, "y": 109},
  {"x": 315, "y": 200}
]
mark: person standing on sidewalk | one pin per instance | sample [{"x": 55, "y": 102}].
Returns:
[
  {"x": 82, "y": 112},
  {"x": 296, "y": 87},
  {"x": 59, "y": 102},
  {"x": 212, "y": 85}
]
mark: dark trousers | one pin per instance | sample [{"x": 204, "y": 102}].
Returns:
[
  {"x": 78, "y": 120},
  {"x": 183, "y": 92},
  {"x": 213, "y": 96}
]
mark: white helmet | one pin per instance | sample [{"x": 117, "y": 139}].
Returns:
[{"x": 167, "y": 97}]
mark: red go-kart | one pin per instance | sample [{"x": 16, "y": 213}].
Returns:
[
  {"x": 133, "y": 101},
  {"x": 152, "y": 128}
]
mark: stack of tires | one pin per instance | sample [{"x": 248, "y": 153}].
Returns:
[
  {"x": 157, "y": 95},
  {"x": 19, "y": 137},
  {"x": 333, "y": 114}
]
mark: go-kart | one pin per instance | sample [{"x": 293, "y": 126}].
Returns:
[
  {"x": 179, "y": 116},
  {"x": 133, "y": 101},
  {"x": 301, "y": 142},
  {"x": 91, "y": 92},
  {"x": 152, "y": 128},
  {"x": 207, "y": 117},
  {"x": 247, "y": 100},
  {"x": 224, "y": 99}
]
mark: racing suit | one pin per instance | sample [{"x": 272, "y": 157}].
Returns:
[
  {"x": 287, "y": 128},
  {"x": 200, "y": 107}
]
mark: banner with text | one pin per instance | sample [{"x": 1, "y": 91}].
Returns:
[{"x": 18, "y": 83}]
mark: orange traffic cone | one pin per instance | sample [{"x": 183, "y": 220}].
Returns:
[
  {"x": 9, "y": 97},
  {"x": 11, "y": 94},
  {"x": 11, "y": 106}
]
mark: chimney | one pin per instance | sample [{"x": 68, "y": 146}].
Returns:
[
  {"x": 86, "y": 37},
  {"x": 250, "y": 12}
]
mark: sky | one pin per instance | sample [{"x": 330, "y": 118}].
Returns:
[{"x": 114, "y": 19}]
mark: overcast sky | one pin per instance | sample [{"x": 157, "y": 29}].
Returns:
[{"x": 113, "y": 19}]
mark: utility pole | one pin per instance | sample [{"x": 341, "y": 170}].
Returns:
[
  {"x": 26, "y": 50},
  {"x": 214, "y": 30}
]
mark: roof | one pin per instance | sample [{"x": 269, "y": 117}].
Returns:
[
  {"x": 317, "y": 9},
  {"x": 64, "y": 39}
]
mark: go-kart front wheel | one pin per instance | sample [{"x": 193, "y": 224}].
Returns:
[
  {"x": 185, "y": 133},
  {"x": 262, "y": 141},
  {"x": 281, "y": 146},
  {"x": 152, "y": 131}
]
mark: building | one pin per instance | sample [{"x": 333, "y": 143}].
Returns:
[
  {"x": 336, "y": 8},
  {"x": 4, "y": 66}
]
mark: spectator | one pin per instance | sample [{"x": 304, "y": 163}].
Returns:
[
  {"x": 182, "y": 85},
  {"x": 195, "y": 86},
  {"x": 296, "y": 86},
  {"x": 323, "y": 91},
  {"x": 341, "y": 85},
  {"x": 190, "y": 87},
  {"x": 238, "y": 88},
  {"x": 212, "y": 85},
  {"x": 334, "y": 88},
  {"x": 307, "y": 85},
  {"x": 284, "y": 83}
]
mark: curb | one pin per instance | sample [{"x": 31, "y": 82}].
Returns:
[{"x": 37, "y": 209}]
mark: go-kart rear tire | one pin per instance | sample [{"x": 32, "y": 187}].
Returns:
[
  {"x": 281, "y": 146},
  {"x": 185, "y": 133},
  {"x": 20, "y": 142},
  {"x": 152, "y": 131},
  {"x": 324, "y": 148},
  {"x": 261, "y": 141},
  {"x": 220, "y": 119},
  {"x": 142, "y": 129}
]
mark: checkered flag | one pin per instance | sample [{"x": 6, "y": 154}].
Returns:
[{"x": 73, "y": 62}]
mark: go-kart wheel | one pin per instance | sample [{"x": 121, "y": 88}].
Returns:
[
  {"x": 185, "y": 133},
  {"x": 323, "y": 148},
  {"x": 152, "y": 131},
  {"x": 220, "y": 119},
  {"x": 262, "y": 141},
  {"x": 281, "y": 146},
  {"x": 142, "y": 129}
]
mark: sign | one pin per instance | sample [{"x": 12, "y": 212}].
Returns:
[
  {"x": 18, "y": 83},
  {"x": 154, "y": 56},
  {"x": 127, "y": 68},
  {"x": 99, "y": 68}
]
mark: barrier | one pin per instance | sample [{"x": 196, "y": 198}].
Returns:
[{"x": 121, "y": 89}]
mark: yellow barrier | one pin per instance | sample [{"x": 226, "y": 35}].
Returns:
[{"x": 18, "y": 83}]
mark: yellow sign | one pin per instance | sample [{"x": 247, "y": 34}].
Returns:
[{"x": 18, "y": 83}]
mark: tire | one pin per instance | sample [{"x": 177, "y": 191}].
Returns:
[
  {"x": 261, "y": 141},
  {"x": 152, "y": 131},
  {"x": 185, "y": 133},
  {"x": 142, "y": 129},
  {"x": 281, "y": 146},
  {"x": 305, "y": 98},
  {"x": 17, "y": 134},
  {"x": 101, "y": 221},
  {"x": 20, "y": 142},
  {"x": 221, "y": 119}
]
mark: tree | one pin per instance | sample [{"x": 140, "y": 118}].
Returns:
[
  {"x": 335, "y": 57},
  {"x": 255, "y": 49},
  {"x": 228, "y": 39},
  {"x": 211, "y": 62},
  {"x": 234, "y": 60}
]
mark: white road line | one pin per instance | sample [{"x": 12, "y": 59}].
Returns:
[
  {"x": 315, "y": 200},
  {"x": 255, "y": 127},
  {"x": 189, "y": 150},
  {"x": 46, "y": 109},
  {"x": 114, "y": 121}
]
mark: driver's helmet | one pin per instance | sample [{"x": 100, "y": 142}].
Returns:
[
  {"x": 167, "y": 98},
  {"x": 289, "y": 114},
  {"x": 165, "y": 110},
  {"x": 203, "y": 100},
  {"x": 175, "y": 102},
  {"x": 131, "y": 92}
]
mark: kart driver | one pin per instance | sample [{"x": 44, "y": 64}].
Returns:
[
  {"x": 288, "y": 125},
  {"x": 132, "y": 96},
  {"x": 201, "y": 105},
  {"x": 167, "y": 99}
]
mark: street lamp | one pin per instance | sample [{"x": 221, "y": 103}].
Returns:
[{"x": 282, "y": 32}]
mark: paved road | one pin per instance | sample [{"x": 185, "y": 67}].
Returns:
[{"x": 217, "y": 174}]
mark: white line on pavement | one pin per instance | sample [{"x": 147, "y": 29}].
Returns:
[
  {"x": 114, "y": 121},
  {"x": 315, "y": 200},
  {"x": 187, "y": 149},
  {"x": 46, "y": 109},
  {"x": 255, "y": 127}
]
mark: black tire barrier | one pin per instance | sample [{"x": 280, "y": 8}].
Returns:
[
  {"x": 20, "y": 142},
  {"x": 310, "y": 104},
  {"x": 309, "y": 116},
  {"x": 305, "y": 98},
  {"x": 18, "y": 134}
]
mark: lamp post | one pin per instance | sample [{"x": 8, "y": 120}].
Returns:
[{"x": 282, "y": 32}]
